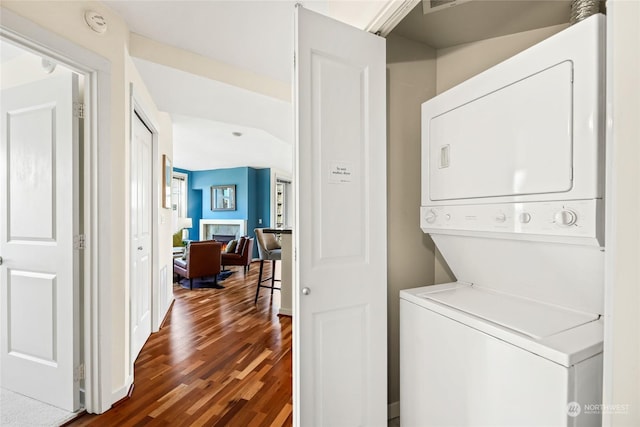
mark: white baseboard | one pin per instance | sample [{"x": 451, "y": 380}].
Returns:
[
  {"x": 122, "y": 392},
  {"x": 393, "y": 410},
  {"x": 285, "y": 312},
  {"x": 118, "y": 395}
]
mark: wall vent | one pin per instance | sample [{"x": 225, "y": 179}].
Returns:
[{"x": 429, "y": 6}]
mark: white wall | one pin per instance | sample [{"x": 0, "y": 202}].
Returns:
[
  {"x": 459, "y": 63},
  {"x": 411, "y": 80},
  {"x": 622, "y": 268},
  {"x": 165, "y": 233},
  {"x": 66, "y": 18},
  {"x": 163, "y": 124}
]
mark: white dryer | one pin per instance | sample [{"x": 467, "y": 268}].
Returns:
[{"x": 512, "y": 195}]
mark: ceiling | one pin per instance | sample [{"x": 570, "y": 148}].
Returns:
[
  {"x": 255, "y": 37},
  {"x": 205, "y": 114},
  {"x": 248, "y": 35},
  {"x": 252, "y": 35}
]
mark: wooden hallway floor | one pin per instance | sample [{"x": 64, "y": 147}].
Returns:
[{"x": 219, "y": 360}]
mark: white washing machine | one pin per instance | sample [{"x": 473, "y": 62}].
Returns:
[
  {"x": 474, "y": 356},
  {"x": 512, "y": 195}
]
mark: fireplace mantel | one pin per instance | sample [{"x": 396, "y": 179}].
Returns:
[{"x": 239, "y": 227}]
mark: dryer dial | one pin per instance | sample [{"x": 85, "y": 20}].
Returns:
[
  {"x": 525, "y": 217},
  {"x": 566, "y": 217},
  {"x": 431, "y": 216}
]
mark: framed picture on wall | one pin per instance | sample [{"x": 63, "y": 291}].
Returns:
[
  {"x": 167, "y": 172},
  {"x": 223, "y": 197}
]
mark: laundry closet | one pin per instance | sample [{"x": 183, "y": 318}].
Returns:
[{"x": 435, "y": 48}]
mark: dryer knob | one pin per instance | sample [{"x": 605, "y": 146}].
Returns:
[
  {"x": 501, "y": 217},
  {"x": 566, "y": 217},
  {"x": 431, "y": 217}
]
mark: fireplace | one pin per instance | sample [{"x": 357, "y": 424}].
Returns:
[
  {"x": 223, "y": 238},
  {"x": 222, "y": 230}
]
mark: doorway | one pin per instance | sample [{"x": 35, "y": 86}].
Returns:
[{"x": 40, "y": 237}]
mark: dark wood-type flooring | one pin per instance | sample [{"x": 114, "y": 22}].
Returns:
[{"x": 219, "y": 360}]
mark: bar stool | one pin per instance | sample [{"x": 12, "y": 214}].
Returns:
[{"x": 268, "y": 250}]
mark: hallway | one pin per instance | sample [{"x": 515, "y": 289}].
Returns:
[{"x": 219, "y": 360}]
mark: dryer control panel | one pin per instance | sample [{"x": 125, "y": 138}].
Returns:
[{"x": 579, "y": 218}]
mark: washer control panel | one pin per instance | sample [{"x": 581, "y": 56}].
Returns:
[{"x": 573, "y": 218}]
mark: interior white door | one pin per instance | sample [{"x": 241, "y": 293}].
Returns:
[
  {"x": 340, "y": 348},
  {"x": 38, "y": 220},
  {"x": 141, "y": 152}
]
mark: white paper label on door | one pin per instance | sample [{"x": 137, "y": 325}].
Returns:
[{"x": 340, "y": 172}]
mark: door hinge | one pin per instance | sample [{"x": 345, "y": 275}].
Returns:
[
  {"x": 294, "y": 60},
  {"x": 78, "y": 110},
  {"x": 79, "y": 241},
  {"x": 79, "y": 373}
]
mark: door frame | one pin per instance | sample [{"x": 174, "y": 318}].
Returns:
[
  {"x": 95, "y": 175},
  {"x": 621, "y": 317},
  {"x": 140, "y": 107}
]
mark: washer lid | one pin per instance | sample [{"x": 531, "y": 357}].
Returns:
[{"x": 534, "y": 319}]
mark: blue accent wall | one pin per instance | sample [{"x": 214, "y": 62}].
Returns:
[
  {"x": 253, "y": 198},
  {"x": 263, "y": 196},
  {"x": 252, "y": 217},
  {"x": 203, "y": 180},
  {"x": 263, "y": 200}
]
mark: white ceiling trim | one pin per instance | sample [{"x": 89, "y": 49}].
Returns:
[{"x": 390, "y": 16}]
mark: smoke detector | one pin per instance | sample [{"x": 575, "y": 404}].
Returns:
[{"x": 95, "y": 21}]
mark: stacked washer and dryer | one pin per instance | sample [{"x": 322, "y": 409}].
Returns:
[{"x": 512, "y": 195}]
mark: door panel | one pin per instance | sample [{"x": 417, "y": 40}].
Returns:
[
  {"x": 341, "y": 343},
  {"x": 33, "y": 165},
  {"x": 336, "y": 81},
  {"x": 21, "y": 287},
  {"x": 344, "y": 328},
  {"x": 39, "y": 275}
]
